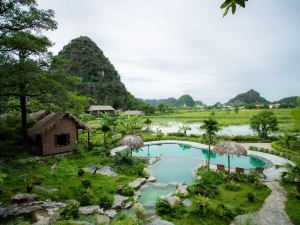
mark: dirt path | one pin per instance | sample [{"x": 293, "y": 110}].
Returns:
[{"x": 272, "y": 212}]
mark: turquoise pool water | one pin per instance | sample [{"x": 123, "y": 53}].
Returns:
[{"x": 178, "y": 161}]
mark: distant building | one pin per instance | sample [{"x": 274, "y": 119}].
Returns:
[
  {"x": 271, "y": 106},
  {"x": 94, "y": 109},
  {"x": 133, "y": 113},
  {"x": 56, "y": 133}
]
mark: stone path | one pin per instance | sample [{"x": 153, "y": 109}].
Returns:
[{"x": 272, "y": 212}]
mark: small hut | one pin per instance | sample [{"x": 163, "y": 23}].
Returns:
[
  {"x": 133, "y": 113},
  {"x": 56, "y": 133},
  {"x": 94, "y": 109},
  {"x": 229, "y": 148}
]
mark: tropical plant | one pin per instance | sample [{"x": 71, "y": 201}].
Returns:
[
  {"x": 292, "y": 175},
  {"x": 71, "y": 210},
  {"x": 148, "y": 123},
  {"x": 211, "y": 127},
  {"x": 105, "y": 201},
  {"x": 184, "y": 129},
  {"x": 209, "y": 190},
  {"x": 163, "y": 207},
  {"x": 264, "y": 122},
  {"x": 201, "y": 204},
  {"x": 232, "y": 4}
]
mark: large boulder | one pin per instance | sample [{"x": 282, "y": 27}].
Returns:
[
  {"x": 102, "y": 219},
  {"x": 23, "y": 197},
  {"x": 86, "y": 210},
  {"x": 173, "y": 200},
  {"x": 111, "y": 213},
  {"x": 118, "y": 201},
  {"x": 137, "y": 183},
  {"x": 146, "y": 172}
]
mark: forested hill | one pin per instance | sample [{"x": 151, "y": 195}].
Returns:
[
  {"x": 100, "y": 79},
  {"x": 249, "y": 97},
  {"x": 184, "y": 100}
]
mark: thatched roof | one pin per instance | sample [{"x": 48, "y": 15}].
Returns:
[
  {"x": 132, "y": 141},
  {"x": 133, "y": 113},
  {"x": 229, "y": 148},
  {"x": 52, "y": 120},
  {"x": 39, "y": 114},
  {"x": 101, "y": 108}
]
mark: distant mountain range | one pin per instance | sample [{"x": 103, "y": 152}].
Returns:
[
  {"x": 184, "y": 100},
  {"x": 253, "y": 97}
]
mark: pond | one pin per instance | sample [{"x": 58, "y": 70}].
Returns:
[
  {"x": 177, "y": 164},
  {"x": 171, "y": 127}
]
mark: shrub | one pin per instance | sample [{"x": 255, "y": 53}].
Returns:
[
  {"x": 210, "y": 176},
  {"x": 85, "y": 199},
  {"x": 224, "y": 210},
  {"x": 78, "y": 150},
  {"x": 86, "y": 183},
  {"x": 163, "y": 207},
  {"x": 232, "y": 186},
  {"x": 127, "y": 191},
  {"x": 201, "y": 205},
  {"x": 80, "y": 172},
  {"x": 258, "y": 185},
  {"x": 140, "y": 212},
  {"x": 71, "y": 210},
  {"x": 206, "y": 189},
  {"x": 106, "y": 201},
  {"x": 250, "y": 196}
]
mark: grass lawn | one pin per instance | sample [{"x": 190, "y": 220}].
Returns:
[
  {"x": 61, "y": 174},
  {"x": 236, "y": 200},
  {"x": 225, "y": 118},
  {"x": 292, "y": 207}
]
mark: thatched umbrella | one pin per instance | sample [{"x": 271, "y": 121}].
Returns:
[
  {"x": 132, "y": 141},
  {"x": 229, "y": 148}
]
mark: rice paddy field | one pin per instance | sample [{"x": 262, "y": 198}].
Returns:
[{"x": 225, "y": 118}]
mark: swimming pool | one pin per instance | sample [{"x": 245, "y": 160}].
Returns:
[{"x": 178, "y": 161}]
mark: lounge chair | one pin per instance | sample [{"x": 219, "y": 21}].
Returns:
[
  {"x": 239, "y": 170},
  {"x": 260, "y": 170},
  {"x": 220, "y": 168}
]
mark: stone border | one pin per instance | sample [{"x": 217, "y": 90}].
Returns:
[{"x": 270, "y": 171}]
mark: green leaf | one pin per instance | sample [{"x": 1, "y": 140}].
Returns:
[
  {"x": 241, "y": 3},
  {"x": 233, "y": 8},
  {"x": 226, "y": 4},
  {"x": 226, "y": 11}
]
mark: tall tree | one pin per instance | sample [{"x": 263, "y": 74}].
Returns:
[
  {"x": 211, "y": 127},
  {"x": 24, "y": 52},
  {"x": 264, "y": 122}
]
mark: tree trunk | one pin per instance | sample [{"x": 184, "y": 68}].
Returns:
[
  {"x": 208, "y": 160},
  {"x": 24, "y": 118}
]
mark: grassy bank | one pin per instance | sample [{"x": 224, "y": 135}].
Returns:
[{"x": 292, "y": 206}]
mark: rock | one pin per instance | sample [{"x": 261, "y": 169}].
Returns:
[
  {"x": 105, "y": 170},
  {"x": 136, "y": 195},
  {"x": 41, "y": 220},
  {"x": 118, "y": 201},
  {"x": 23, "y": 197},
  {"x": 173, "y": 200},
  {"x": 128, "y": 205},
  {"x": 86, "y": 210},
  {"x": 187, "y": 202},
  {"x": 182, "y": 189},
  {"x": 151, "y": 179},
  {"x": 153, "y": 160},
  {"x": 77, "y": 222},
  {"x": 102, "y": 219},
  {"x": 111, "y": 213},
  {"x": 44, "y": 189},
  {"x": 158, "y": 221},
  {"x": 146, "y": 172},
  {"x": 137, "y": 183}
]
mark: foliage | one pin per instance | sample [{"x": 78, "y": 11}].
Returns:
[
  {"x": 78, "y": 149},
  {"x": 232, "y": 186},
  {"x": 296, "y": 114},
  {"x": 185, "y": 100},
  {"x": 105, "y": 201},
  {"x": 125, "y": 219},
  {"x": 209, "y": 190},
  {"x": 86, "y": 183},
  {"x": 201, "y": 205},
  {"x": 264, "y": 122},
  {"x": 224, "y": 210},
  {"x": 184, "y": 129},
  {"x": 292, "y": 175},
  {"x": 127, "y": 191},
  {"x": 163, "y": 207},
  {"x": 210, "y": 176},
  {"x": 80, "y": 172},
  {"x": 292, "y": 205},
  {"x": 87, "y": 198},
  {"x": 139, "y": 212},
  {"x": 71, "y": 211},
  {"x": 250, "y": 196}
]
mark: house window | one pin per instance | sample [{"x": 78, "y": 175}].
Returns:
[{"x": 61, "y": 140}]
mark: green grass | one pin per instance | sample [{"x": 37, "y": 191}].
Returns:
[
  {"x": 292, "y": 207},
  {"x": 225, "y": 118},
  {"x": 236, "y": 199},
  {"x": 63, "y": 177}
]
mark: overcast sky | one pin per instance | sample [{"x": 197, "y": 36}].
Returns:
[{"x": 167, "y": 48}]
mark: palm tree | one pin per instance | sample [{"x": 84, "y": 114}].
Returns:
[
  {"x": 211, "y": 127},
  {"x": 105, "y": 128},
  {"x": 184, "y": 129}
]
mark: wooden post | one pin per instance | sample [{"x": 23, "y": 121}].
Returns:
[{"x": 228, "y": 163}]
